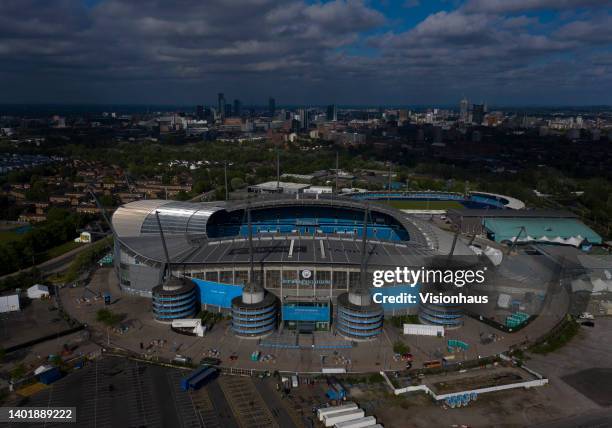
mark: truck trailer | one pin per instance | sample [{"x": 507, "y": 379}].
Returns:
[
  {"x": 324, "y": 411},
  {"x": 349, "y": 415},
  {"x": 368, "y": 421},
  {"x": 197, "y": 378}
]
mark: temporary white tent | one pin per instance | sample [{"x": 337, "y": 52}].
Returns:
[
  {"x": 504, "y": 300},
  {"x": 37, "y": 291},
  {"x": 192, "y": 325},
  {"x": 9, "y": 303},
  {"x": 495, "y": 255},
  {"x": 423, "y": 330}
]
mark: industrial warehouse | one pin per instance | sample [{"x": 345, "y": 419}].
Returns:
[{"x": 294, "y": 262}]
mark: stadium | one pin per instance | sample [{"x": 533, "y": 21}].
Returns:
[
  {"x": 304, "y": 262},
  {"x": 274, "y": 261}
]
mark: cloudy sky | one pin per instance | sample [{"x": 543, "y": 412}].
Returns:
[{"x": 505, "y": 52}]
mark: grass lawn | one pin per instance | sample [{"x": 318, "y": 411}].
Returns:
[
  {"x": 425, "y": 205},
  {"x": 61, "y": 249}
]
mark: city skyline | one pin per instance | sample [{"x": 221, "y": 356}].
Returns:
[{"x": 525, "y": 52}]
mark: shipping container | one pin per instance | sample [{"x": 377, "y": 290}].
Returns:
[
  {"x": 368, "y": 421},
  {"x": 49, "y": 376},
  {"x": 197, "y": 378},
  {"x": 349, "y": 415},
  {"x": 324, "y": 411}
]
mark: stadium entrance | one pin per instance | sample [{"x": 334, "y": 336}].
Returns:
[{"x": 306, "y": 316}]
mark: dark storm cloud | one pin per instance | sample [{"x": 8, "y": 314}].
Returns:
[
  {"x": 337, "y": 51},
  {"x": 182, "y": 40},
  {"x": 501, "y": 6}
]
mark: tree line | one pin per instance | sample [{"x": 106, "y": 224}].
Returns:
[{"x": 61, "y": 226}]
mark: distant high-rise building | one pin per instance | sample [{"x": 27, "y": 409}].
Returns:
[
  {"x": 209, "y": 114},
  {"x": 295, "y": 125},
  {"x": 477, "y": 114},
  {"x": 271, "y": 106},
  {"x": 227, "y": 111},
  {"x": 221, "y": 105},
  {"x": 200, "y": 112},
  {"x": 304, "y": 122},
  {"x": 463, "y": 110},
  {"x": 237, "y": 108},
  {"x": 332, "y": 113}
]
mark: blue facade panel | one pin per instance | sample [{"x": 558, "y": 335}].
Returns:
[
  {"x": 305, "y": 313},
  {"x": 215, "y": 293}
]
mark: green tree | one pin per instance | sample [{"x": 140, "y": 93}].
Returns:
[
  {"x": 18, "y": 372},
  {"x": 107, "y": 317},
  {"x": 38, "y": 192},
  {"x": 107, "y": 200},
  {"x": 237, "y": 183},
  {"x": 400, "y": 347}
]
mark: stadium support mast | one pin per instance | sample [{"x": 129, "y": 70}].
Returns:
[
  {"x": 452, "y": 250},
  {"x": 251, "y": 263},
  {"x": 516, "y": 238},
  {"x": 389, "y": 185},
  {"x": 337, "y": 166},
  {"x": 359, "y": 300},
  {"x": 225, "y": 175},
  {"x": 454, "y": 244},
  {"x": 127, "y": 181},
  {"x": 261, "y": 307},
  {"x": 181, "y": 291},
  {"x": 364, "y": 242},
  {"x": 163, "y": 239},
  {"x": 102, "y": 211},
  {"x": 277, "y": 170}
]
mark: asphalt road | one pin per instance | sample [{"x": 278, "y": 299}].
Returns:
[
  {"x": 272, "y": 400},
  {"x": 115, "y": 393},
  {"x": 224, "y": 412},
  {"x": 597, "y": 419},
  {"x": 56, "y": 264}
]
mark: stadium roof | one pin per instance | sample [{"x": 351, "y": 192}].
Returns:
[
  {"x": 136, "y": 218},
  {"x": 510, "y": 213},
  {"x": 184, "y": 225},
  {"x": 286, "y": 250}
]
